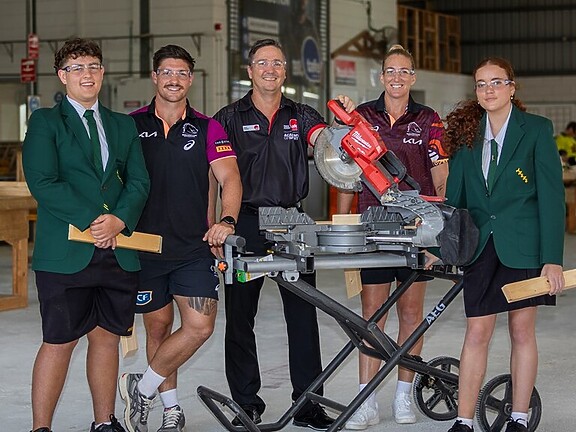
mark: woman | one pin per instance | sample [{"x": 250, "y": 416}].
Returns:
[
  {"x": 505, "y": 170},
  {"x": 414, "y": 133}
]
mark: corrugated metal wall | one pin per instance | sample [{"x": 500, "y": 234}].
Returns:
[{"x": 537, "y": 36}]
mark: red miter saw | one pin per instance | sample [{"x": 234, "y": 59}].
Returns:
[{"x": 347, "y": 156}]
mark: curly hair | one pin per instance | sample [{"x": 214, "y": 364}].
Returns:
[
  {"x": 74, "y": 48},
  {"x": 463, "y": 123}
]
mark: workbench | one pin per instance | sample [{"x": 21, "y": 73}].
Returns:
[{"x": 15, "y": 205}]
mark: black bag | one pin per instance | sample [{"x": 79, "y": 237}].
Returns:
[{"x": 458, "y": 239}]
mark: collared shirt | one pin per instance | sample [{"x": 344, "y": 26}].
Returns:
[
  {"x": 272, "y": 156},
  {"x": 415, "y": 138},
  {"x": 178, "y": 162},
  {"x": 99, "y": 125},
  {"x": 488, "y": 137}
]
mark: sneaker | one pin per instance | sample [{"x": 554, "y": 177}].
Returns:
[
  {"x": 137, "y": 405},
  {"x": 314, "y": 418},
  {"x": 173, "y": 420},
  {"x": 402, "y": 410},
  {"x": 42, "y": 429},
  {"x": 460, "y": 427},
  {"x": 366, "y": 415},
  {"x": 515, "y": 426},
  {"x": 252, "y": 412},
  {"x": 114, "y": 426}
]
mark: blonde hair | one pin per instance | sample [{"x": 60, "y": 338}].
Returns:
[{"x": 397, "y": 49}]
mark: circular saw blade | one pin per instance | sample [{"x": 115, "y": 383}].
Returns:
[{"x": 342, "y": 174}]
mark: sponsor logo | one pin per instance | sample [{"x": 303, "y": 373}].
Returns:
[
  {"x": 293, "y": 124},
  {"x": 143, "y": 298},
  {"x": 413, "y": 129},
  {"x": 376, "y": 128},
  {"x": 189, "y": 131},
  {"x": 291, "y": 136},
  {"x": 223, "y": 148},
  {"x": 189, "y": 145},
  {"x": 148, "y": 134},
  {"x": 412, "y": 141},
  {"x": 251, "y": 128}
]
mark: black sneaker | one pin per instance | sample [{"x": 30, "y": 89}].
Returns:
[
  {"x": 252, "y": 412},
  {"x": 460, "y": 427},
  {"x": 314, "y": 418},
  {"x": 515, "y": 426},
  {"x": 42, "y": 429},
  {"x": 114, "y": 426}
]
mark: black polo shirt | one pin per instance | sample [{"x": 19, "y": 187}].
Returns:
[
  {"x": 272, "y": 157},
  {"x": 178, "y": 163}
]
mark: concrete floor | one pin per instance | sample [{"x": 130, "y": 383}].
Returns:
[{"x": 21, "y": 336}]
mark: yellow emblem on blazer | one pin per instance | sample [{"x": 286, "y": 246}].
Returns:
[
  {"x": 521, "y": 175},
  {"x": 119, "y": 178}
]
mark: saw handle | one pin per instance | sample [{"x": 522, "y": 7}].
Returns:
[{"x": 338, "y": 110}]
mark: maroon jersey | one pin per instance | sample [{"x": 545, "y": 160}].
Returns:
[{"x": 415, "y": 138}]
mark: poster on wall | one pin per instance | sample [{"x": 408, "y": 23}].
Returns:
[
  {"x": 295, "y": 24},
  {"x": 345, "y": 72}
]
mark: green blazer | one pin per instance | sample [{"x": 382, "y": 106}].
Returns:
[
  {"x": 525, "y": 211},
  {"x": 62, "y": 178}
]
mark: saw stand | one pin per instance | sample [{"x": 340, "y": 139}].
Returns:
[{"x": 303, "y": 247}]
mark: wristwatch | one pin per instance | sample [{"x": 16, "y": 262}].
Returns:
[{"x": 229, "y": 220}]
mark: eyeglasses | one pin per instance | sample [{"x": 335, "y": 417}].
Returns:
[
  {"x": 403, "y": 72},
  {"x": 496, "y": 83},
  {"x": 182, "y": 73},
  {"x": 263, "y": 64},
  {"x": 77, "y": 69}
]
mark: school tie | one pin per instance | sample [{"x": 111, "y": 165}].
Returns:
[
  {"x": 97, "y": 152},
  {"x": 493, "y": 164}
]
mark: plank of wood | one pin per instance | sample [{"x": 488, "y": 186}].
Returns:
[
  {"x": 137, "y": 241},
  {"x": 129, "y": 344},
  {"x": 535, "y": 287}
]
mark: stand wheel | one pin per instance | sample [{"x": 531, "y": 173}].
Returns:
[
  {"x": 494, "y": 405},
  {"x": 434, "y": 397}
]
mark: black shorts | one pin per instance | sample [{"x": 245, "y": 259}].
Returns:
[
  {"x": 483, "y": 282},
  {"x": 382, "y": 275},
  {"x": 102, "y": 294},
  {"x": 161, "y": 280}
]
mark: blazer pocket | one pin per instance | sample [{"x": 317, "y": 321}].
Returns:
[
  {"x": 528, "y": 235},
  {"x": 519, "y": 176}
]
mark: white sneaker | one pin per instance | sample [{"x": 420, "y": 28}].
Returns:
[
  {"x": 402, "y": 410},
  {"x": 366, "y": 415}
]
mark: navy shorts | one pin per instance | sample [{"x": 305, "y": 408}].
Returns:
[
  {"x": 382, "y": 275},
  {"x": 102, "y": 294},
  {"x": 161, "y": 280}
]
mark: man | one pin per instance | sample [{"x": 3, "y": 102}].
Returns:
[
  {"x": 181, "y": 146},
  {"x": 84, "y": 166},
  {"x": 271, "y": 134}
]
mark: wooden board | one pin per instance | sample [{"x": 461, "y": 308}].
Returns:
[
  {"x": 535, "y": 287},
  {"x": 129, "y": 344},
  {"x": 137, "y": 241}
]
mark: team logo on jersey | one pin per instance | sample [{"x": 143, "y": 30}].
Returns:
[
  {"x": 251, "y": 128},
  {"x": 223, "y": 146},
  {"x": 189, "y": 144},
  {"x": 143, "y": 298},
  {"x": 148, "y": 134},
  {"x": 413, "y": 129},
  {"x": 189, "y": 131},
  {"x": 293, "y": 123}
]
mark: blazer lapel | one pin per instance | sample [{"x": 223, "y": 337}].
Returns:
[
  {"x": 514, "y": 135},
  {"x": 477, "y": 149}
]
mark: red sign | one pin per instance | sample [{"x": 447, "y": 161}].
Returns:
[
  {"x": 345, "y": 72},
  {"x": 27, "y": 70},
  {"x": 33, "y": 46}
]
